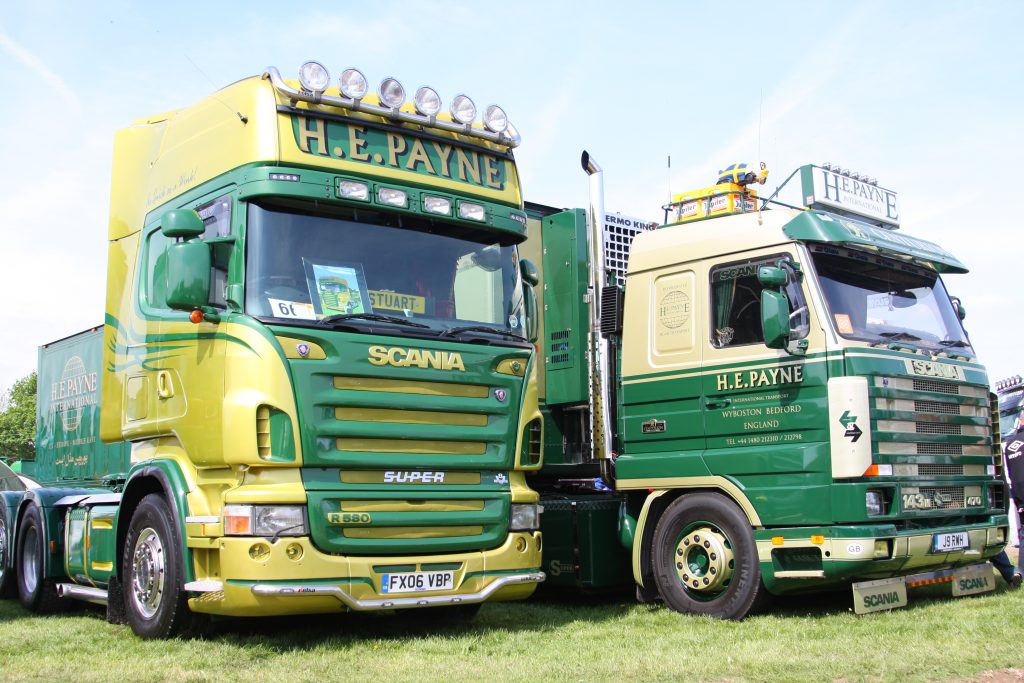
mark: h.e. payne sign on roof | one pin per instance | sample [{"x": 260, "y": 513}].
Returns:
[{"x": 833, "y": 189}]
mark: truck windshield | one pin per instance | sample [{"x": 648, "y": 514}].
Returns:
[
  {"x": 880, "y": 299},
  {"x": 371, "y": 268}
]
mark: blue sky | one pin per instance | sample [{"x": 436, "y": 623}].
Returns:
[{"x": 925, "y": 96}]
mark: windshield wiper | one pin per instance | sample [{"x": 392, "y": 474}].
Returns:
[
  {"x": 374, "y": 317},
  {"x": 479, "y": 328},
  {"x": 954, "y": 342},
  {"x": 899, "y": 336}
]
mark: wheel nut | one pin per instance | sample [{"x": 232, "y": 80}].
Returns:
[
  {"x": 679, "y": 565},
  {"x": 706, "y": 544},
  {"x": 714, "y": 556},
  {"x": 706, "y": 582},
  {"x": 686, "y": 541},
  {"x": 696, "y": 538},
  {"x": 714, "y": 571},
  {"x": 679, "y": 551},
  {"x": 686, "y": 577},
  {"x": 696, "y": 584}
]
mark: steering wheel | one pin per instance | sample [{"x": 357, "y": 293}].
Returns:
[{"x": 281, "y": 287}]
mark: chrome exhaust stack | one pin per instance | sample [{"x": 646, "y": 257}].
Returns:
[{"x": 598, "y": 357}]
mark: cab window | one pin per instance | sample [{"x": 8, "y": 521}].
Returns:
[{"x": 736, "y": 302}]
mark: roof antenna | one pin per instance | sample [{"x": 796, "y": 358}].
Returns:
[
  {"x": 760, "y": 118},
  {"x": 244, "y": 119}
]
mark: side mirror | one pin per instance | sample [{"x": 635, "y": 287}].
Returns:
[
  {"x": 529, "y": 272},
  {"x": 771, "y": 276},
  {"x": 188, "y": 275},
  {"x": 958, "y": 306},
  {"x": 182, "y": 223},
  {"x": 532, "y": 314},
  {"x": 188, "y": 262},
  {"x": 774, "y": 318}
]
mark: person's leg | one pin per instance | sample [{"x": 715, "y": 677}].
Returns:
[{"x": 1002, "y": 563}]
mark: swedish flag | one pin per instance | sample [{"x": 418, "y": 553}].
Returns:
[{"x": 740, "y": 174}]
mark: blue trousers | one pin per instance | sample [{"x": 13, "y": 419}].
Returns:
[{"x": 1002, "y": 560}]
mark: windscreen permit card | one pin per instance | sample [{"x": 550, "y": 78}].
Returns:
[{"x": 292, "y": 309}]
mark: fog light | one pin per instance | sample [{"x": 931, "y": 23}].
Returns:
[
  {"x": 873, "y": 503},
  {"x": 521, "y": 544},
  {"x": 392, "y": 197},
  {"x": 391, "y": 92},
  {"x": 349, "y": 189},
  {"x": 472, "y": 212},
  {"x": 353, "y": 84},
  {"x": 313, "y": 77},
  {"x": 438, "y": 205},
  {"x": 463, "y": 110},
  {"x": 495, "y": 119},
  {"x": 525, "y": 517},
  {"x": 259, "y": 551},
  {"x": 293, "y": 551},
  {"x": 881, "y": 548},
  {"x": 428, "y": 102}
]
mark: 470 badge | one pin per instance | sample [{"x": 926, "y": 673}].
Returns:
[{"x": 417, "y": 582}]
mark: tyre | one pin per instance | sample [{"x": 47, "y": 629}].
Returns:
[
  {"x": 152, "y": 572},
  {"x": 6, "y": 583},
  {"x": 35, "y": 591},
  {"x": 705, "y": 559}
]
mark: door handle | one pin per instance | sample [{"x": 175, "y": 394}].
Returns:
[
  {"x": 164, "y": 385},
  {"x": 718, "y": 403}
]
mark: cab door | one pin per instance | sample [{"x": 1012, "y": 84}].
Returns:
[{"x": 765, "y": 410}]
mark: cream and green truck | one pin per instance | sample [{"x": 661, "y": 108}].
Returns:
[{"x": 343, "y": 366}]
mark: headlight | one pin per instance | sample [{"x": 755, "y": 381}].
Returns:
[
  {"x": 314, "y": 77},
  {"x": 873, "y": 503},
  {"x": 392, "y": 196},
  {"x": 495, "y": 119},
  {"x": 264, "y": 520},
  {"x": 438, "y": 205},
  {"x": 525, "y": 517},
  {"x": 353, "y": 84},
  {"x": 463, "y": 110},
  {"x": 350, "y": 189},
  {"x": 470, "y": 211},
  {"x": 428, "y": 102},
  {"x": 392, "y": 94}
]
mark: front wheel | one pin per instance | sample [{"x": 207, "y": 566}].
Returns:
[
  {"x": 705, "y": 559},
  {"x": 152, "y": 569}
]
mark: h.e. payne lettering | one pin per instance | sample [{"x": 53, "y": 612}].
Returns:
[
  {"x": 752, "y": 379},
  {"x": 394, "y": 150}
]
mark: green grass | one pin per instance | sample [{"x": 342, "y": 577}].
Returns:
[{"x": 804, "y": 639}]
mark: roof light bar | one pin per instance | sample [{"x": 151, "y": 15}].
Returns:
[{"x": 353, "y": 88}]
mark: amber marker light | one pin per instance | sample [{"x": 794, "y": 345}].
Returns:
[
  {"x": 777, "y": 540},
  {"x": 196, "y": 316},
  {"x": 817, "y": 539},
  {"x": 876, "y": 470}
]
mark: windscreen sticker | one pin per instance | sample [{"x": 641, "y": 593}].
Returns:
[
  {"x": 292, "y": 309},
  {"x": 397, "y": 301},
  {"x": 843, "y": 323}
]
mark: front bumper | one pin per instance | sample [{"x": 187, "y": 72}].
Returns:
[
  {"x": 244, "y": 576},
  {"x": 843, "y": 554}
]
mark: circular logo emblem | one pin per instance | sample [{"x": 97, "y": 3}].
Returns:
[
  {"x": 500, "y": 394},
  {"x": 303, "y": 349},
  {"x": 674, "y": 309}
]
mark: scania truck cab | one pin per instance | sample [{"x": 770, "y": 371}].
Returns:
[
  {"x": 316, "y": 345},
  {"x": 786, "y": 401}
]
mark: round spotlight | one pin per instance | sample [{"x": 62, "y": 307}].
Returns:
[
  {"x": 495, "y": 119},
  {"x": 314, "y": 77},
  {"x": 428, "y": 102},
  {"x": 353, "y": 84},
  {"x": 463, "y": 110},
  {"x": 391, "y": 92}
]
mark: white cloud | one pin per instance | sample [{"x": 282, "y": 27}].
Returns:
[{"x": 39, "y": 69}]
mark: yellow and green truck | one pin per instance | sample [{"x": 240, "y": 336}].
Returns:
[
  {"x": 781, "y": 398},
  {"x": 313, "y": 389}
]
